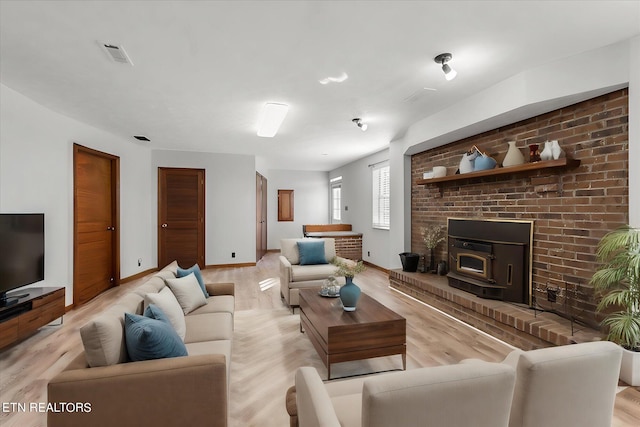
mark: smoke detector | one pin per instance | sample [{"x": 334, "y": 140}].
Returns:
[{"x": 116, "y": 53}]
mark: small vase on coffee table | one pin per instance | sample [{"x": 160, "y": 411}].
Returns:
[{"x": 349, "y": 294}]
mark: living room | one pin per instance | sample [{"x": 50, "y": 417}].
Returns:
[{"x": 37, "y": 133}]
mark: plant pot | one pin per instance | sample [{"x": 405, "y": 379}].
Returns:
[
  {"x": 410, "y": 261},
  {"x": 442, "y": 268},
  {"x": 630, "y": 367}
]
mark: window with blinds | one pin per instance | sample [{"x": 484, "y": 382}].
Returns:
[
  {"x": 336, "y": 200},
  {"x": 380, "y": 184}
]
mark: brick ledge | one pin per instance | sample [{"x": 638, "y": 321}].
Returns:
[{"x": 516, "y": 324}]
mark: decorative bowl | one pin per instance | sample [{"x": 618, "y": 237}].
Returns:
[
  {"x": 439, "y": 171},
  {"x": 483, "y": 163}
]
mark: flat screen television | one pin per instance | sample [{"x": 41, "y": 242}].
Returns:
[{"x": 22, "y": 251}]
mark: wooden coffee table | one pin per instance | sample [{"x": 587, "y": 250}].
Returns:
[{"x": 340, "y": 336}]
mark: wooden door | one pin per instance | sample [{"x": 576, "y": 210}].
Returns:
[
  {"x": 181, "y": 237},
  {"x": 261, "y": 216},
  {"x": 96, "y": 252}
]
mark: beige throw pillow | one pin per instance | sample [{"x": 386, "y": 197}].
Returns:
[
  {"x": 103, "y": 336},
  {"x": 168, "y": 303},
  {"x": 103, "y": 340},
  {"x": 188, "y": 292}
]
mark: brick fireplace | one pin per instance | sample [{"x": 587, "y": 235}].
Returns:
[{"x": 571, "y": 208}]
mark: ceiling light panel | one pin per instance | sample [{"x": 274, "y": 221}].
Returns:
[{"x": 271, "y": 118}]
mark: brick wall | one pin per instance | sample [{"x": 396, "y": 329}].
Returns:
[
  {"x": 572, "y": 209},
  {"x": 349, "y": 247}
]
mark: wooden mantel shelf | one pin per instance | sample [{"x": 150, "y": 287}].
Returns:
[{"x": 547, "y": 164}]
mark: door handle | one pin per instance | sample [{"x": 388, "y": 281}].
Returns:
[
  {"x": 110, "y": 228},
  {"x": 164, "y": 225}
]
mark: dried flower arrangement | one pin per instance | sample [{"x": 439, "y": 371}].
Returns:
[
  {"x": 348, "y": 268},
  {"x": 432, "y": 235}
]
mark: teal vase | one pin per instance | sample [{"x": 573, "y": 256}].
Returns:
[{"x": 349, "y": 295}]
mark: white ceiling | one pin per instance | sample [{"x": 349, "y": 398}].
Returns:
[{"x": 203, "y": 69}]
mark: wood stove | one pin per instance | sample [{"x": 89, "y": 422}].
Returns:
[{"x": 491, "y": 258}]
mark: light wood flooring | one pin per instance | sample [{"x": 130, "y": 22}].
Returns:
[{"x": 267, "y": 349}]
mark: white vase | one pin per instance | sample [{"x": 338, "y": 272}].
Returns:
[
  {"x": 556, "y": 150},
  {"x": 514, "y": 156},
  {"x": 467, "y": 162},
  {"x": 547, "y": 153}
]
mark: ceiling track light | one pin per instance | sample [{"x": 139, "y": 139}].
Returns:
[
  {"x": 362, "y": 125},
  {"x": 442, "y": 59}
]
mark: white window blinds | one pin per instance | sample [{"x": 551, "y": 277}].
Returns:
[
  {"x": 380, "y": 184},
  {"x": 336, "y": 200}
]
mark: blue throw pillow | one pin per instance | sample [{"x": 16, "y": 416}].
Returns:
[
  {"x": 154, "y": 312},
  {"x": 312, "y": 252},
  {"x": 147, "y": 338},
  {"x": 196, "y": 271}
]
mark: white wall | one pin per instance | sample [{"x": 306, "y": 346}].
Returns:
[
  {"x": 36, "y": 175},
  {"x": 230, "y": 205},
  {"x": 634, "y": 132},
  {"x": 525, "y": 95},
  {"x": 310, "y": 202},
  {"x": 357, "y": 197}
]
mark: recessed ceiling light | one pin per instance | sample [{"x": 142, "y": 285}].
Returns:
[
  {"x": 271, "y": 118},
  {"x": 141, "y": 138}
]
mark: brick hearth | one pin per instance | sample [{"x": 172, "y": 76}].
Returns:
[{"x": 516, "y": 324}]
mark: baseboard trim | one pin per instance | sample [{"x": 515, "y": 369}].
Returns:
[
  {"x": 243, "y": 264},
  {"x": 137, "y": 276},
  {"x": 377, "y": 267}
]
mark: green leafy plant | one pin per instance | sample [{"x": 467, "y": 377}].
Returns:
[
  {"x": 618, "y": 281},
  {"x": 348, "y": 268}
]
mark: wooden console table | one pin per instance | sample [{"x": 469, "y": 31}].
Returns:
[{"x": 35, "y": 308}]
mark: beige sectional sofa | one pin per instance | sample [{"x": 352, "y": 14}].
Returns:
[
  {"x": 294, "y": 276},
  {"x": 191, "y": 390}
]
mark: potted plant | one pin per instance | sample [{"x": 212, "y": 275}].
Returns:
[
  {"x": 618, "y": 280},
  {"x": 432, "y": 236},
  {"x": 350, "y": 292}
]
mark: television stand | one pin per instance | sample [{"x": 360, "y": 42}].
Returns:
[
  {"x": 27, "y": 311},
  {"x": 10, "y": 300}
]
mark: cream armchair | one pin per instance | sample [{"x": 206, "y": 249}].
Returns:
[
  {"x": 566, "y": 386},
  {"x": 476, "y": 394},
  {"x": 294, "y": 276}
]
